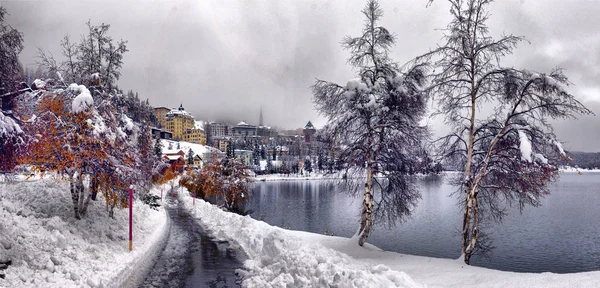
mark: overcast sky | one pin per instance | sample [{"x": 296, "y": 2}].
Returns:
[{"x": 223, "y": 60}]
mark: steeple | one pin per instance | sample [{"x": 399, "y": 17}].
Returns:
[{"x": 260, "y": 120}]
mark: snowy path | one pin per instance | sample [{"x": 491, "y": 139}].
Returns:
[{"x": 190, "y": 257}]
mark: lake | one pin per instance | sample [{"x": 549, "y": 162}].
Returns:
[{"x": 561, "y": 236}]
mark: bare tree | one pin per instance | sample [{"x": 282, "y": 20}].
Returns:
[
  {"x": 498, "y": 117},
  {"x": 96, "y": 54},
  {"x": 376, "y": 117}
]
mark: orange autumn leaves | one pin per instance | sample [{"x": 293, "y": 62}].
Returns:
[{"x": 67, "y": 143}]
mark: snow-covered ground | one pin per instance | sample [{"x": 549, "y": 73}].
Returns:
[
  {"x": 280, "y": 258},
  {"x": 50, "y": 248}
]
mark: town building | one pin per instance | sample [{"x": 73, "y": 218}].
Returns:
[
  {"x": 245, "y": 156},
  {"x": 161, "y": 113},
  {"x": 217, "y": 129},
  {"x": 176, "y": 160},
  {"x": 243, "y": 129},
  {"x": 160, "y": 133},
  {"x": 178, "y": 121},
  {"x": 309, "y": 131},
  {"x": 195, "y": 134}
]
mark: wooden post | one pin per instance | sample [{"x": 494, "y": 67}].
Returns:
[{"x": 130, "y": 218}]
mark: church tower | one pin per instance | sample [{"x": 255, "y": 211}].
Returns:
[{"x": 260, "y": 120}]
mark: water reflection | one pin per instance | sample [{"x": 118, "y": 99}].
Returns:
[{"x": 561, "y": 236}]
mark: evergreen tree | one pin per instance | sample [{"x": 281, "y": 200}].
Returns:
[
  {"x": 263, "y": 152},
  {"x": 158, "y": 147},
  {"x": 256, "y": 155},
  {"x": 269, "y": 168},
  {"x": 308, "y": 166},
  {"x": 320, "y": 160},
  {"x": 230, "y": 152},
  {"x": 190, "y": 157}
]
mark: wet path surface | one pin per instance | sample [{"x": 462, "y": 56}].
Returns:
[{"x": 191, "y": 258}]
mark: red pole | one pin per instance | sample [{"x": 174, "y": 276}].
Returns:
[{"x": 130, "y": 218}]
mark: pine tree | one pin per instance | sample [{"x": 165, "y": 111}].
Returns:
[
  {"x": 269, "y": 168},
  {"x": 230, "y": 152},
  {"x": 263, "y": 152},
  {"x": 308, "y": 166},
  {"x": 190, "y": 157},
  {"x": 158, "y": 146}
]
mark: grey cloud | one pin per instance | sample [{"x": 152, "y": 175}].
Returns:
[{"x": 225, "y": 59}]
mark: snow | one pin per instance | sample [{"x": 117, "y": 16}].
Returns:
[
  {"x": 560, "y": 148},
  {"x": 176, "y": 111},
  {"x": 128, "y": 123},
  {"x": 525, "y": 146},
  {"x": 541, "y": 157},
  {"x": 49, "y": 248},
  {"x": 174, "y": 157},
  {"x": 569, "y": 169},
  {"x": 275, "y": 163},
  {"x": 39, "y": 83},
  {"x": 8, "y": 125},
  {"x": 59, "y": 76},
  {"x": 84, "y": 99},
  {"x": 243, "y": 124},
  {"x": 198, "y": 149},
  {"x": 199, "y": 125},
  {"x": 356, "y": 85},
  {"x": 278, "y": 258}
]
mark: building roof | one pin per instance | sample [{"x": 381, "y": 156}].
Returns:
[
  {"x": 178, "y": 111},
  {"x": 309, "y": 126},
  {"x": 174, "y": 157}
]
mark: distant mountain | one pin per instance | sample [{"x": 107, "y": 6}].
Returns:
[{"x": 584, "y": 160}]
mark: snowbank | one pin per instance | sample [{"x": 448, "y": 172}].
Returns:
[
  {"x": 279, "y": 257},
  {"x": 569, "y": 169},
  {"x": 49, "y": 248}
]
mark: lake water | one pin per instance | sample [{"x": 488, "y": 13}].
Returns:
[{"x": 561, "y": 236}]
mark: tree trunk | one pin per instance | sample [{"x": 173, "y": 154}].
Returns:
[
  {"x": 367, "y": 208},
  {"x": 74, "y": 197},
  {"x": 470, "y": 230},
  {"x": 88, "y": 197}
]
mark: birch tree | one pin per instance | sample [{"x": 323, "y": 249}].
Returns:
[
  {"x": 499, "y": 120},
  {"x": 377, "y": 117}
]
